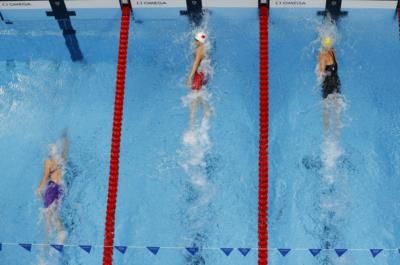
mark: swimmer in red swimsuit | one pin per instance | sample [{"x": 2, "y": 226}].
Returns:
[{"x": 197, "y": 77}]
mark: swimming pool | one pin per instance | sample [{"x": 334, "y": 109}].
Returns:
[
  {"x": 183, "y": 190},
  {"x": 43, "y": 92},
  {"x": 165, "y": 199}
]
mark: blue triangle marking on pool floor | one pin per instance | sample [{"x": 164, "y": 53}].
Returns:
[
  {"x": 28, "y": 247},
  {"x": 153, "y": 250},
  {"x": 244, "y": 251},
  {"x": 192, "y": 250},
  {"x": 227, "y": 251},
  {"x": 86, "y": 248},
  {"x": 340, "y": 251},
  {"x": 59, "y": 248},
  {"x": 284, "y": 251},
  {"x": 315, "y": 251},
  {"x": 1, "y": 246},
  {"x": 375, "y": 251},
  {"x": 121, "y": 249}
]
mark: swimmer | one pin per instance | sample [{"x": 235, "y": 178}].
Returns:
[
  {"x": 328, "y": 71},
  {"x": 198, "y": 76},
  {"x": 328, "y": 68},
  {"x": 51, "y": 186}
]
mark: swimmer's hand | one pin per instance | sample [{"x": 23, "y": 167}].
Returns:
[
  {"x": 321, "y": 76},
  {"x": 39, "y": 193},
  {"x": 189, "y": 81}
]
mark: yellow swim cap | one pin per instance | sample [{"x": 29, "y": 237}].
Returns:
[{"x": 327, "y": 42}]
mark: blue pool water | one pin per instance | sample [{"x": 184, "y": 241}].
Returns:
[
  {"x": 42, "y": 93},
  {"x": 181, "y": 188},
  {"x": 334, "y": 192},
  {"x": 164, "y": 199}
]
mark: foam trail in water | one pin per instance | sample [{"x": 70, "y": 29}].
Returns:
[
  {"x": 196, "y": 147},
  {"x": 331, "y": 150},
  {"x": 333, "y": 106},
  {"x": 332, "y": 206}
]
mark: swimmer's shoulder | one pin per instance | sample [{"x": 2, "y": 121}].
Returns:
[
  {"x": 51, "y": 164},
  {"x": 47, "y": 162},
  {"x": 323, "y": 54},
  {"x": 201, "y": 49}
]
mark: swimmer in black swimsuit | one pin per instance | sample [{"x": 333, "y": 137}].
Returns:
[
  {"x": 331, "y": 87},
  {"x": 328, "y": 68}
]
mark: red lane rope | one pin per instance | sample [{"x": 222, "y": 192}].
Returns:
[
  {"x": 263, "y": 144},
  {"x": 116, "y": 137}
]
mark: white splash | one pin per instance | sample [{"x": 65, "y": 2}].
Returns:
[
  {"x": 328, "y": 29},
  {"x": 190, "y": 97},
  {"x": 331, "y": 151},
  {"x": 55, "y": 153},
  {"x": 196, "y": 144}
]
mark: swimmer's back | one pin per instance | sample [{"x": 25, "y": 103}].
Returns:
[
  {"x": 54, "y": 171},
  {"x": 328, "y": 57}
]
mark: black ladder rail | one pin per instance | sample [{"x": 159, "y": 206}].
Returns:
[
  {"x": 62, "y": 15},
  {"x": 6, "y": 21},
  {"x": 334, "y": 9},
  {"x": 126, "y": 2},
  {"x": 262, "y": 3},
  {"x": 194, "y": 11}
]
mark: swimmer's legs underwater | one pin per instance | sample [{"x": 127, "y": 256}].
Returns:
[
  {"x": 53, "y": 220},
  {"x": 195, "y": 103},
  {"x": 332, "y": 106}
]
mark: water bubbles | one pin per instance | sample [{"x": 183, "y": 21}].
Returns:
[
  {"x": 328, "y": 29},
  {"x": 189, "y": 138},
  {"x": 329, "y": 179},
  {"x": 331, "y": 151},
  {"x": 196, "y": 144},
  {"x": 14, "y": 106}
]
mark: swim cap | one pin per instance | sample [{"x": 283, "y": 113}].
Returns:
[
  {"x": 327, "y": 42},
  {"x": 54, "y": 154},
  {"x": 200, "y": 36},
  {"x": 53, "y": 150}
]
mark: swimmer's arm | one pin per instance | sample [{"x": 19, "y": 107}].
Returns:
[
  {"x": 196, "y": 63},
  {"x": 65, "y": 147},
  {"x": 46, "y": 172},
  {"x": 322, "y": 64},
  {"x": 334, "y": 53}
]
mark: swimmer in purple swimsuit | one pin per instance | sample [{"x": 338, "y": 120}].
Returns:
[
  {"x": 51, "y": 186},
  {"x": 52, "y": 194}
]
